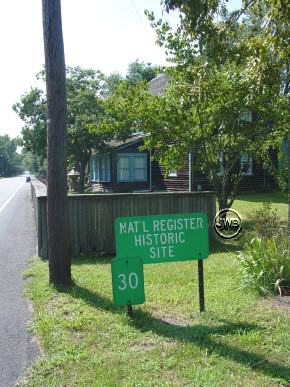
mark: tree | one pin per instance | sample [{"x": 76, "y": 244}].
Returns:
[
  {"x": 33, "y": 163},
  {"x": 111, "y": 83},
  {"x": 141, "y": 71},
  {"x": 10, "y": 160},
  {"x": 209, "y": 37},
  {"x": 32, "y": 109},
  {"x": 86, "y": 89},
  {"x": 202, "y": 110},
  {"x": 57, "y": 225},
  {"x": 269, "y": 46}
]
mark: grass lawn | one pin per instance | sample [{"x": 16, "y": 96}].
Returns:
[
  {"x": 246, "y": 204},
  {"x": 241, "y": 339}
]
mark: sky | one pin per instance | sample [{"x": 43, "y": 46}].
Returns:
[{"x": 101, "y": 34}]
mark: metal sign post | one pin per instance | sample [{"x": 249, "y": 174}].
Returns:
[
  {"x": 201, "y": 286},
  {"x": 130, "y": 310}
]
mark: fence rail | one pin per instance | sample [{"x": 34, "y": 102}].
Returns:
[{"x": 91, "y": 217}]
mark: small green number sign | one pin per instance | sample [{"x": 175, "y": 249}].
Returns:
[
  {"x": 128, "y": 281},
  {"x": 163, "y": 238}
]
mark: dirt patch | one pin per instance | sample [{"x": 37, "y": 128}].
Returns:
[
  {"x": 180, "y": 321},
  {"x": 281, "y": 302},
  {"x": 173, "y": 380}
]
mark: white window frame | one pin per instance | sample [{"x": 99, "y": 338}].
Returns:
[
  {"x": 100, "y": 168},
  {"x": 132, "y": 167},
  {"x": 172, "y": 173},
  {"x": 246, "y": 159},
  {"x": 246, "y": 116}
]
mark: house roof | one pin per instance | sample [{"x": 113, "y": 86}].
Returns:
[
  {"x": 116, "y": 144},
  {"x": 126, "y": 142},
  {"x": 158, "y": 85}
]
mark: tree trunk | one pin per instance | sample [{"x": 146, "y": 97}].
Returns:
[
  {"x": 223, "y": 197},
  {"x": 59, "y": 260},
  {"x": 82, "y": 176}
]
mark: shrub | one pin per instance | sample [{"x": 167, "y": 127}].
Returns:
[
  {"x": 265, "y": 264},
  {"x": 266, "y": 221}
]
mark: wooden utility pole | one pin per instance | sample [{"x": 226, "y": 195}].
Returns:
[
  {"x": 59, "y": 260},
  {"x": 286, "y": 91}
]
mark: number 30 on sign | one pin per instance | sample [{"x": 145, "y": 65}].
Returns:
[{"x": 128, "y": 281}]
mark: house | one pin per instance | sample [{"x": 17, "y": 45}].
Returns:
[{"x": 126, "y": 168}]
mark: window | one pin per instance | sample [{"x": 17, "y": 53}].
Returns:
[
  {"x": 100, "y": 168},
  {"x": 246, "y": 165},
  {"x": 247, "y": 116},
  {"x": 172, "y": 173},
  {"x": 131, "y": 167},
  {"x": 220, "y": 172}
]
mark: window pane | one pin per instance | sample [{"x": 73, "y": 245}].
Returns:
[
  {"x": 246, "y": 116},
  {"x": 132, "y": 167},
  {"x": 124, "y": 174},
  {"x": 124, "y": 162},
  {"x": 140, "y": 162},
  {"x": 246, "y": 164},
  {"x": 244, "y": 157},
  {"x": 123, "y": 166},
  {"x": 140, "y": 174},
  {"x": 220, "y": 171},
  {"x": 104, "y": 168},
  {"x": 94, "y": 168},
  {"x": 139, "y": 167}
]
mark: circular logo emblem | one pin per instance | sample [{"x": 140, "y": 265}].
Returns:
[{"x": 227, "y": 223}]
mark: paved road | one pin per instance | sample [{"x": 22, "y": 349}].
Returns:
[{"x": 17, "y": 244}]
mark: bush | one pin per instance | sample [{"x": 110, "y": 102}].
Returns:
[
  {"x": 266, "y": 221},
  {"x": 265, "y": 264}
]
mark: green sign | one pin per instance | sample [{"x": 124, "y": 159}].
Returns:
[
  {"x": 163, "y": 238},
  {"x": 128, "y": 281}
]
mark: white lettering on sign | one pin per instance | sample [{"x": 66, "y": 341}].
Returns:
[
  {"x": 132, "y": 282},
  {"x": 162, "y": 252},
  {"x": 133, "y": 227},
  {"x": 162, "y": 225},
  {"x": 160, "y": 235},
  {"x": 157, "y": 239}
]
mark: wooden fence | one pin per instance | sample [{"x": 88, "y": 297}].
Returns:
[{"x": 91, "y": 217}]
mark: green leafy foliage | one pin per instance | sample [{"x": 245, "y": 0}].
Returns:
[
  {"x": 263, "y": 39},
  {"x": 225, "y": 64},
  {"x": 87, "y": 127},
  {"x": 265, "y": 261},
  {"x": 10, "y": 160},
  {"x": 265, "y": 264},
  {"x": 141, "y": 71},
  {"x": 266, "y": 221},
  {"x": 282, "y": 172},
  {"x": 33, "y": 163},
  {"x": 32, "y": 110},
  {"x": 85, "y": 91}
]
